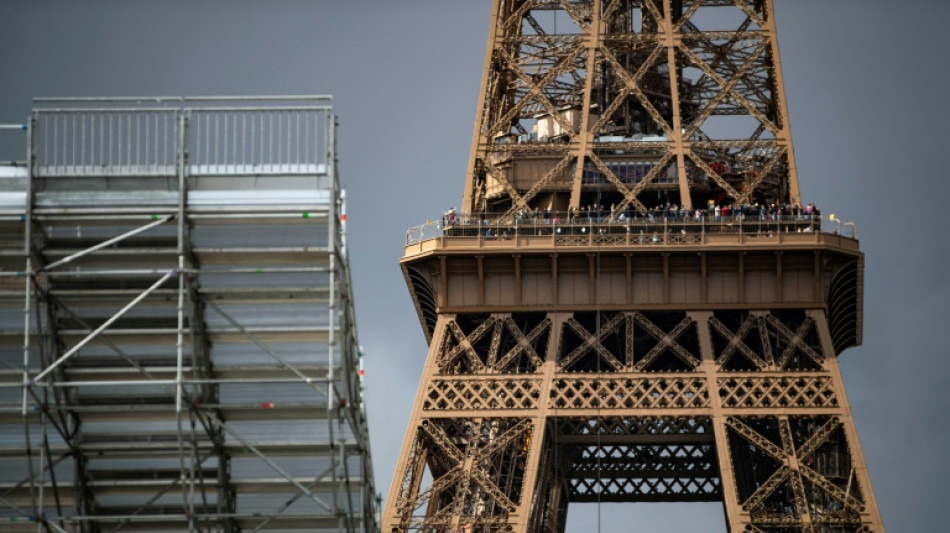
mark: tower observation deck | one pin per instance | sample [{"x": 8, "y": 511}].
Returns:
[
  {"x": 177, "y": 334},
  {"x": 633, "y": 304}
]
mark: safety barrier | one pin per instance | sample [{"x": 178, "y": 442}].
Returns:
[
  {"x": 638, "y": 229},
  {"x": 208, "y": 136}
]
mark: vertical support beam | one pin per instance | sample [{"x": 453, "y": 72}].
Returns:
[
  {"x": 666, "y": 277},
  {"x": 554, "y": 284},
  {"x": 817, "y": 279},
  {"x": 585, "y": 136},
  {"x": 703, "y": 278},
  {"x": 186, "y": 465},
  {"x": 480, "y": 265},
  {"x": 406, "y": 461},
  {"x": 736, "y": 518},
  {"x": 443, "y": 282},
  {"x": 518, "y": 298},
  {"x": 42, "y": 477},
  {"x": 871, "y": 515},
  {"x": 591, "y": 279},
  {"x": 798, "y": 487},
  {"x": 676, "y": 136},
  {"x": 779, "y": 283},
  {"x": 781, "y": 105},
  {"x": 742, "y": 277},
  {"x": 332, "y": 393},
  {"x": 533, "y": 460},
  {"x": 545, "y": 487},
  {"x": 416, "y": 466},
  {"x": 478, "y": 138},
  {"x": 629, "y": 265},
  {"x": 28, "y": 277}
]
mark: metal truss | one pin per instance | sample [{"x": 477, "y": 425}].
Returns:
[
  {"x": 602, "y": 101},
  {"x": 506, "y": 448},
  {"x": 177, "y": 332},
  {"x": 590, "y": 358}
]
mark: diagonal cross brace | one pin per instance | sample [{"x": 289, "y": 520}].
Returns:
[
  {"x": 629, "y": 196},
  {"x": 753, "y": 437},
  {"x": 763, "y": 172},
  {"x": 106, "y": 243},
  {"x": 666, "y": 340},
  {"x": 290, "y": 501},
  {"x": 466, "y": 343},
  {"x": 818, "y": 438},
  {"x": 766, "y": 489},
  {"x": 250, "y": 336},
  {"x": 524, "y": 343},
  {"x": 726, "y": 91},
  {"x": 592, "y": 341},
  {"x": 272, "y": 464},
  {"x": 535, "y": 89},
  {"x": 737, "y": 342},
  {"x": 742, "y": 100},
  {"x": 104, "y": 325},
  {"x": 796, "y": 340},
  {"x": 634, "y": 86}
]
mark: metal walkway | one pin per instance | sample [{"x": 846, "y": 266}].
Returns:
[{"x": 178, "y": 347}]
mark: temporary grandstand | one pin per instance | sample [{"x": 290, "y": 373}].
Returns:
[{"x": 178, "y": 346}]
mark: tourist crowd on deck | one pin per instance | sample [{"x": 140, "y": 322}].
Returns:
[{"x": 597, "y": 214}]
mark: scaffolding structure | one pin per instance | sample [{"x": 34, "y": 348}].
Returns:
[{"x": 178, "y": 346}]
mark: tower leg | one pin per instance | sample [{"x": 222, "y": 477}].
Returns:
[
  {"x": 474, "y": 472},
  {"x": 859, "y": 477},
  {"x": 788, "y": 453},
  {"x": 736, "y": 519},
  {"x": 520, "y": 414}
]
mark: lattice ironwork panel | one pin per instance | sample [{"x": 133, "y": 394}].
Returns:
[
  {"x": 644, "y": 473},
  {"x": 646, "y": 391},
  {"x": 505, "y": 343},
  {"x": 778, "y": 524},
  {"x": 786, "y": 340},
  {"x": 639, "y": 458},
  {"x": 795, "y": 472},
  {"x": 631, "y": 460},
  {"x": 488, "y": 393},
  {"x": 634, "y": 426},
  {"x": 706, "y": 489},
  {"x": 475, "y": 469},
  {"x": 618, "y": 342},
  {"x": 777, "y": 391}
]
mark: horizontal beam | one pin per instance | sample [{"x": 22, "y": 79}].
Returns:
[
  {"x": 592, "y": 440},
  {"x": 646, "y": 498},
  {"x": 638, "y": 413},
  {"x": 637, "y": 476}
]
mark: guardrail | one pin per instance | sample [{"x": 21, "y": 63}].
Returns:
[
  {"x": 633, "y": 230},
  {"x": 242, "y": 140},
  {"x": 213, "y": 136},
  {"x": 105, "y": 141}
]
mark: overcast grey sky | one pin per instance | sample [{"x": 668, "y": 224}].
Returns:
[{"x": 865, "y": 82}]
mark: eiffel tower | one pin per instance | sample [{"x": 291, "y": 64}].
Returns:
[{"x": 633, "y": 304}]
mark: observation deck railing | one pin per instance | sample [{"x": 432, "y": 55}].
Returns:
[{"x": 490, "y": 230}]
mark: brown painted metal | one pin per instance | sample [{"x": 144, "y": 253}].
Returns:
[
  {"x": 631, "y": 362},
  {"x": 701, "y": 112}
]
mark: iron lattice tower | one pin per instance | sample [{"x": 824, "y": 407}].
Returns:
[{"x": 678, "y": 345}]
